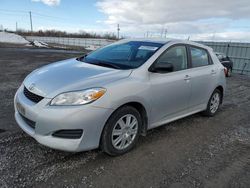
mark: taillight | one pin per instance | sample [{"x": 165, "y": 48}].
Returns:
[{"x": 225, "y": 71}]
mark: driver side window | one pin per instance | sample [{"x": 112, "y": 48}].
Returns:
[{"x": 177, "y": 56}]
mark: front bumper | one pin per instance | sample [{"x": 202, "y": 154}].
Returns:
[{"x": 49, "y": 119}]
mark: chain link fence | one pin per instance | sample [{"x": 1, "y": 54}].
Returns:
[
  {"x": 239, "y": 53},
  {"x": 89, "y": 43}
]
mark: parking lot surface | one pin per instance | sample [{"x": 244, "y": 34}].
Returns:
[{"x": 192, "y": 152}]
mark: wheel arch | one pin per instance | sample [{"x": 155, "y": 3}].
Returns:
[
  {"x": 143, "y": 112},
  {"x": 221, "y": 89},
  {"x": 140, "y": 108}
]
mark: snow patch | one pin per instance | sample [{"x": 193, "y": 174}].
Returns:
[
  {"x": 12, "y": 38},
  {"x": 39, "y": 44},
  {"x": 92, "y": 47}
]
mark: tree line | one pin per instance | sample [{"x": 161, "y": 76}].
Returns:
[{"x": 57, "y": 33}]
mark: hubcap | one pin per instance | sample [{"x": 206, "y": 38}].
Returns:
[
  {"x": 124, "y": 132},
  {"x": 215, "y": 102}
]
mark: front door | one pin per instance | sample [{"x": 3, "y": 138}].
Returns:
[{"x": 170, "y": 91}]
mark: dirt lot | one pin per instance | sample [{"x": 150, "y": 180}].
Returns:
[{"x": 193, "y": 152}]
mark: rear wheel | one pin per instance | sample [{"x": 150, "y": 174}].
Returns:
[
  {"x": 213, "y": 103},
  {"x": 121, "y": 131}
]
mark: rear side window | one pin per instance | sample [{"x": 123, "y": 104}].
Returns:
[{"x": 199, "y": 57}]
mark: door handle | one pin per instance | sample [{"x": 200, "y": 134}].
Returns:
[{"x": 187, "y": 77}]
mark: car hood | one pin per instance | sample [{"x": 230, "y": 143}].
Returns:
[{"x": 70, "y": 75}]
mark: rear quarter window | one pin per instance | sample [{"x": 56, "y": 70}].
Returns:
[{"x": 199, "y": 57}]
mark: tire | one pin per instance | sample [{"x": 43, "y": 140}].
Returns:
[
  {"x": 215, "y": 100},
  {"x": 229, "y": 72},
  {"x": 117, "y": 129}
]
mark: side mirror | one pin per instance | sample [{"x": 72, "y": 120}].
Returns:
[
  {"x": 81, "y": 58},
  {"x": 162, "y": 67}
]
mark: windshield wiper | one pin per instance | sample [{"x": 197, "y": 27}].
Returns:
[{"x": 101, "y": 63}]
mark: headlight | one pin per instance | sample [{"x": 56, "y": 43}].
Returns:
[{"x": 78, "y": 97}]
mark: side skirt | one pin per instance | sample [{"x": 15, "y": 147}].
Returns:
[{"x": 179, "y": 115}]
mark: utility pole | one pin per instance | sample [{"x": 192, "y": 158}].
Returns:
[
  {"x": 31, "y": 26},
  {"x": 118, "y": 31},
  {"x": 16, "y": 27},
  {"x": 165, "y": 33}
]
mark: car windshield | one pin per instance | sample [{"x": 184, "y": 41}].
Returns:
[{"x": 127, "y": 55}]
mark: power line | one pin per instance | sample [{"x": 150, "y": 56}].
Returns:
[
  {"x": 34, "y": 15},
  {"x": 6, "y": 10},
  {"x": 13, "y": 14},
  {"x": 33, "y": 12},
  {"x": 47, "y": 16}
]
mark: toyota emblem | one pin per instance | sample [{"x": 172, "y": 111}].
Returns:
[{"x": 32, "y": 86}]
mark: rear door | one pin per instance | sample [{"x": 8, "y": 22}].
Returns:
[{"x": 203, "y": 77}]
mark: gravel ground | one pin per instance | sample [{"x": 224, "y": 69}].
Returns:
[{"x": 193, "y": 152}]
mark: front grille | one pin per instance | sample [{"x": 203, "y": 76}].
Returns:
[
  {"x": 29, "y": 122},
  {"x": 32, "y": 96},
  {"x": 71, "y": 134}
]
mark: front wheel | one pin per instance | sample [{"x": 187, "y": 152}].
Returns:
[
  {"x": 121, "y": 131},
  {"x": 213, "y": 103}
]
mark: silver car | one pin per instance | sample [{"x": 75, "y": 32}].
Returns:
[{"x": 109, "y": 97}]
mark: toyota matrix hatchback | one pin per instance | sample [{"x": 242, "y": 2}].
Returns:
[{"x": 113, "y": 95}]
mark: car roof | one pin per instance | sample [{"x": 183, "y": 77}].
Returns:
[
  {"x": 156, "y": 40},
  {"x": 167, "y": 40}
]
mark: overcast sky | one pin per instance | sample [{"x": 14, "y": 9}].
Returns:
[{"x": 198, "y": 19}]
